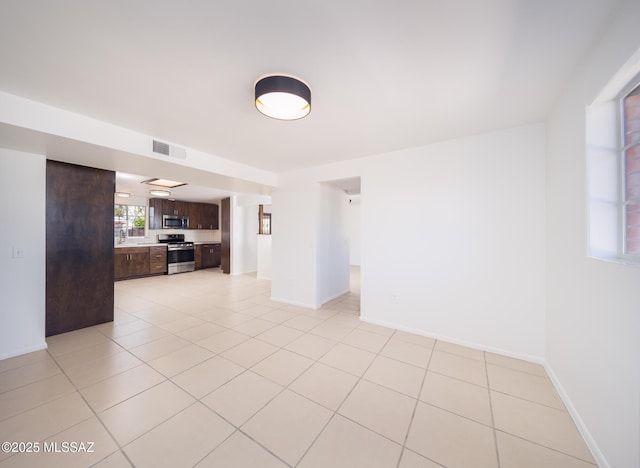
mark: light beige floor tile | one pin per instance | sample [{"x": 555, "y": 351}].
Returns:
[
  {"x": 469, "y": 370},
  {"x": 279, "y": 335},
  {"x": 324, "y": 385},
  {"x": 23, "y": 360},
  {"x": 249, "y": 352},
  {"x": 178, "y": 361},
  {"x": 373, "y": 328},
  {"x": 287, "y": 425},
  {"x": 451, "y": 440},
  {"x": 515, "y": 364},
  {"x": 311, "y": 346},
  {"x": 366, "y": 340},
  {"x": 258, "y": 310},
  {"x": 536, "y": 388},
  {"x": 231, "y": 319},
  {"x": 182, "y": 324},
  {"x": 463, "y": 351},
  {"x": 160, "y": 347},
  {"x": 115, "y": 460},
  {"x": 29, "y": 396},
  {"x": 182, "y": 440},
  {"x": 332, "y": 331},
  {"x": 100, "y": 369},
  {"x": 87, "y": 443},
  {"x": 117, "y": 330},
  {"x": 207, "y": 376},
  {"x": 254, "y": 326},
  {"x": 222, "y": 341},
  {"x": 242, "y": 397},
  {"x": 405, "y": 351},
  {"x": 345, "y": 444},
  {"x": 278, "y": 315},
  {"x": 463, "y": 398},
  {"x": 73, "y": 341},
  {"x": 413, "y": 460},
  {"x": 200, "y": 332},
  {"x": 141, "y": 337},
  {"x": 133, "y": 417},
  {"x": 349, "y": 359},
  {"x": 384, "y": 411},
  {"x": 396, "y": 375},
  {"x": 113, "y": 390},
  {"x": 238, "y": 451},
  {"x": 518, "y": 453},
  {"x": 415, "y": 339},
  {"x": 27, "y": 374},
  {"x": 158, "y": 314},
  {"x": 44, "y": 421},
  {"x": 282, "y": 367},
  {"x": 303, "y": 322},
  {"x": 89, "y": 354},
  {"x": 541, "y": 424}
]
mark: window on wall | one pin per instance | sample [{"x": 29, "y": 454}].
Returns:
[
  {"x": 631, "y": 171},
  {"x": 129, "y": 221}
]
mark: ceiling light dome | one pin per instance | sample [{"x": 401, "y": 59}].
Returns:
[{"x": 283, "y": 97}]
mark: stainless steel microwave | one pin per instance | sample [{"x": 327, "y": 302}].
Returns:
[{"x": 175, "y": 222}]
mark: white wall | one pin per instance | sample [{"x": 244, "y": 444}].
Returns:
[
  {"x": 593, "y": 306},
  {"x": 333, "y": 244},
  {"x": 22, "y": 280},
  {"x": 355, "y": 231},
  {"x": 453, "y": 241},
  {"x": 244, "y": 244},
  {"x": 264, "y": 256},
  {"x": 293, "y": 243}
]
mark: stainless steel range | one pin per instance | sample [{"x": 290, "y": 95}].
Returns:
[{"x": 180, "y": 254}]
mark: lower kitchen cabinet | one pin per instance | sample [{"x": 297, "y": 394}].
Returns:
[
  {"x": 207, "y": 256},
  {"x": 157, "y": 260},
  {"x": 129, "y": 262}
]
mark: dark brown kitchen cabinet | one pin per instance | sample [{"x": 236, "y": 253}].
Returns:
[
  {"x": 130, "y": 262},
  {"x": 207, "y": 256},
  {"x": 79, "y": 247},
  {"x": 201, "y": 215},
  {"x": 157, "y": 260}
]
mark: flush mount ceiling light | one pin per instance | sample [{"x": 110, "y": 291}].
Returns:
[
  {"x": 123, "y": 194},
  {"x": 159, "y": 193},
  {"x": 164, "y": 183},
  {"x": 283, "y": 97}
]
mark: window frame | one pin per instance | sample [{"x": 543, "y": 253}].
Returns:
[
  {"x": 126, "y": 230},
  {"x": 631, "y": 86}
]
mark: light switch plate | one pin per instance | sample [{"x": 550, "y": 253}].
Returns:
[{"x": 18, "y": 252}]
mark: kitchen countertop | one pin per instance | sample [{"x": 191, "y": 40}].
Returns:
[
  {"x": 141, "y": 244},
  {"x": 206, "y": 242}
]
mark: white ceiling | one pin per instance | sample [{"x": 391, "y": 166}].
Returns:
[{"x": 384, "y": 75}]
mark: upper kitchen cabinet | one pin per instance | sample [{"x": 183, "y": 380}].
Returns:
[{"x": 201, "y": 215}]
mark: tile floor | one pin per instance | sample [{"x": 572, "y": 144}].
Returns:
[{"x": 203, "y": 369}]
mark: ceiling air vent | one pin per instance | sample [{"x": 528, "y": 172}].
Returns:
[{"x": 169, "y": 150}]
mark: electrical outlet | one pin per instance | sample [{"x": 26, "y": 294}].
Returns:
[{"x": 18, "y": 252}]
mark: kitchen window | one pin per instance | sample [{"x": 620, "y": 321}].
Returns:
[
  {"x": 630, "y": 157},
  {"x": 129, "y": 221}
]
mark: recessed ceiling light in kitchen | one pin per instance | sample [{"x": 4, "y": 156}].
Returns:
[
  {"x": 159, "y": 193},
  {"x": 164, "y": 183}
]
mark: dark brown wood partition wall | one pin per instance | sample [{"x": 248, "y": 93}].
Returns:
[
  {"x": 225, "y": 247},
  {"x": 79, "y": 258}
]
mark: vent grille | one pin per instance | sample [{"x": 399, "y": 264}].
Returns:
[{"x": 161, "y": 148}]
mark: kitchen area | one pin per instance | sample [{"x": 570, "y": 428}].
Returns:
[{"x": 163, "y": 235}]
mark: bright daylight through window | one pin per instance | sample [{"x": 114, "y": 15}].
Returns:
[
  {"x": 631, "y": 169},
  {"x": 128, "y": 221}
]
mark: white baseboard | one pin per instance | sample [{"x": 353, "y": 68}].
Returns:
[
  {"x": 28, "y": 349},
  {"x": 468, "y": 344},
  {"x": 295, "y": 303},
  {"x": 331, "y": 298},
  {"x": 597, "y": 454}
]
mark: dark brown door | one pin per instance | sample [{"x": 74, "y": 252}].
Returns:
[
  {"x": 79, "y": 247},
  {"x": 225, "y": 248}
]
